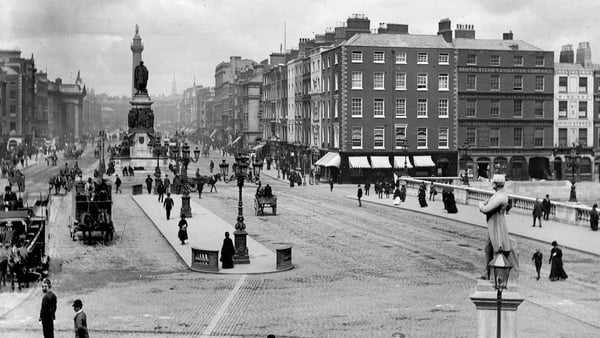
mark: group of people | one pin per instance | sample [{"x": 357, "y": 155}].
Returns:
[
  {"x": 48, "y": 313},
  {"x": 541, "y": 210}
]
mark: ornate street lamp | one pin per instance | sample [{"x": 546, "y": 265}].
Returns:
[
  {"x": 224, "y": 169},
  {"x": 257, "y": 167},
  {"x": 573, "y": 164},
  {"x": 185, "y": 198},
  {"x": 404, "y": 144},
  {"x": 240, "y": 234},
  {"x": 196, "y": 153},
  {"x": 465, "y": 152},
  {"x": 500, "y": 266}
]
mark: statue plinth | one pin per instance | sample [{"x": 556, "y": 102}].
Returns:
[{"x": 486, "y": 303}]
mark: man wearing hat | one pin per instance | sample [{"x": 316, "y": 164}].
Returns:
[
  {"x": 80, "y": 320},
  {"x": 498, "y": 239},
  {"x": 48, "y": 309}
]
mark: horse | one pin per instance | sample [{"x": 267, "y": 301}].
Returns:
[
  {"x": 211, "y": 180},
  {"x": 57, "y": 182}
]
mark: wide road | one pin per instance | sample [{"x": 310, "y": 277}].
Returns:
[{"x": 359, "y": 272}]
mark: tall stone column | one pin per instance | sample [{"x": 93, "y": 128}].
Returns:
[{"x": 136, "y": 48}]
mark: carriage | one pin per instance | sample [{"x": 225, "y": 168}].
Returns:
[
  {"x": 18, "y": 179},
  {"x": 92, "y": 213},
  {"x": 261, "y": 202},
  {"x": 73, "y": 154}
]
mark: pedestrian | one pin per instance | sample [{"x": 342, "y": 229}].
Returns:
[
  {"x": 594, "y": 218},
  {"x": 330, "y": 183},
  {"x": 182, "y": 233},
  {"x": 168, "y": 205},
  {"x": 125, "y": 171},
  {"x": 432, "y": 192},
  {"x": 48, "y": 309},
  {"x": 167, "y": 184},
  {"x": 160, "y": 189},
  {"x": 546, "y": 207},
  {"x": 537, "y": 212},
  {"x": 537, "y": 260},
  {"x": 421, "y": 195},
  {"x": 557, "y": 272},
  {"x": 450, "y": 202},
  {"x": 200, "y": 188},
  {"x": 149, "y": 184},
  {"x": 367, "y": 188},
  {"x": 227, "y": 252},
  {"x": 211, "y": 166},
  {"x": 359, "y": 195},
  {"x": 118, "y": 185},
  {"x": 80, "y": 320},
  {"x": 131, "y": 171}
]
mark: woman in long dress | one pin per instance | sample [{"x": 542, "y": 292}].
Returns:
[
  {"x": 182, "y": 233},
  {"x": 556, "y": 268},
  {"x": 227, "y": 252}
]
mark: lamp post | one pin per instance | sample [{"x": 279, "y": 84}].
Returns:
[
  {"x": 240, "y": 234},
  {"x": 185, "y": 161},
  {"x": 404, "y": 145},
  {"x": 573, "y": 164},
  {"x": 501, "y": 269},
  {"x": 224, "y": 169},
  {"x": 465, "y": 152}
]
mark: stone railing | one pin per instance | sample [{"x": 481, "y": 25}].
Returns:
[
  {"x": 205, "y": 260},
  {"x": 559, "y": 211}
]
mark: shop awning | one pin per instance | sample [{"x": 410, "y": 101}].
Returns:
[
  {"x": 382, "y": 162},
  {"x": 330, "y": 160},
  {"x": 213, "y": 133},
  {"x": 399, "y": 162},
  {"x": 258, "y": 147},
  {"x": 423, "y": 161},
  {"x": 237, "y": 139},
  {"x": 358, "y": 162}
]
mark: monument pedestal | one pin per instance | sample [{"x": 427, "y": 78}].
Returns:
[
  {"x": 186, "y": 210},
  {"x": 241, "y": 250},
  {"x": 486, "y": 303}
]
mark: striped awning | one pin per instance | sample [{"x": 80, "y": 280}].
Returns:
[
  {"x": 330, "y": 159},
  {"x": 213, "y": 133},
  {"x": 399, "y": 162},
  {"x": 423, "y": 161},
  {"x": 358, "y": 162},
  {"x": 235, "y": 141},
  {"x": 382, "y": 162}
]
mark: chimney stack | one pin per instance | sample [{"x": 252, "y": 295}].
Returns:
[
  {"x": 445, "y": 29},
  {"x": 465, "y": 31},
  {"x": 584, "y": 54},
  {"x": 507, "y": 36},
  {"x": 566, "y": 54}
]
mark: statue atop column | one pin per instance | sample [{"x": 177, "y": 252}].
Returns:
[{"x": 140, "y": 76}]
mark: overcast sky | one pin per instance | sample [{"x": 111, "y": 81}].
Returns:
[{"x": 187, "y": 38}]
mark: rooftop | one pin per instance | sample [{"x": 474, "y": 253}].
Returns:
[
  {"x": 398, "y": 40},
  {"x": 494, "y": 44}
]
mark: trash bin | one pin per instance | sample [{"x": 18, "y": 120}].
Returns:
[
  {"x": 136, "y": 189},
  {"x": 284, "y": 257}
]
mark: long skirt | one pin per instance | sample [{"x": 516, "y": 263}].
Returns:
[{"x": 182, "y": 234}]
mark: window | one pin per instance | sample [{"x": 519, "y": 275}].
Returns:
[
  {"x": 356, "y": 137},
  {"x": 422, "y": 58},
  {"x": 471, "y": 59},
  {"x": 495, "y": 60},
  {"x": 357, "y": 57},
  {"x": 335, "y": 81},
  {"x": 421, "y": 137},
  {"x": 443, "y": 82},
  {"x": 13, "y": 126},
  {"x": 400, "y": 138},
  {"x": 518, "y": 60},
  {"x": 562, "y": 137},
  {"x": 378, "y": 108},
  {"x": 336, "y": 108},
  {"x": 494, "y": 137},
  {"x": 443, "y": 108},
  {"x": 443, "y": 59},
  {"x": 13, "y": 95},
  {"x": 518, "y": 82},
  {"x": 443, "y": 137},
  {"x": 562, "y": 84},
  {"x": 378, "y": 137},
  {"x": 562, "y": 109},
  {"x": 471, "y": 136},
  {"x": 356, "y": 80},
  {"x": 335, "y": 58},
  {"x": 539, "y": 109},
  {"x": 538, "y": 137},
  {"x": 495, "y": 82},
  {"x": 421, "y": 108},
  {"x": 518, "y": 108},
  {"x": 12, "y": 111},
  {"x": 400, "y": 81},
  {"x": 582, "y": 137},
  {"x": 583, "y": 84},
  {"x": 582, "y": 109},
  {"x": 378, "y": 80},
  {"x": 401, "y": 57},
  {"x": 422, "y": 81},
  {"x": 539, "y": 61},
  {"x": 357, "y": 106},
  {"x": 495, "y": 108},
  {"x": 400, "y": 108},
  {"x": 539, "y": 83},
  {"x": 471, "y": 82},
  {"x": 518, "y": 137},
  {"x": 471, "y": 108},
  {"x": 378, "y": 57}
]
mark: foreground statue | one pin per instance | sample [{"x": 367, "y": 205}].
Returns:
[
  {"x": 140, "y": 77},
  {"x": 498, "y": 240}
]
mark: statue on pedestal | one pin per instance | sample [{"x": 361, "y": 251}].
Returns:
[{"x": 140, "y": 76}]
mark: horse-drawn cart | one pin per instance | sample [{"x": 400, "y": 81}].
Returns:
[
  {"x": 260, "y": 203},
  {"x": 92, "y": 213},
  {"x": 73, "y": 154}
]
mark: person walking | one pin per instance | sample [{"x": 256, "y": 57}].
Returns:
[
  {"x": 421, "y": 195},
  {"x": 80, "y": 320},
  {"x": 167, "y": 184},
  {"x": 432, "y": 192},
  {"x": 359, "y": 195},
  {"x": 182, "y": 233},
  {"x": 211, "y": 167},
  {"x": 557, "y": 272},
  {"x": 330, "y": 183},
  {"x": 537, "y": 212},
  {"x": 227, "y": 252},
  {"x": 160, "y": 189},
  {"x": 118, "y": 185},
  {"x": 546, "y": 206},
  {"x": 48, "y": 309},
  {"x": 168, "y": 205},
  {"x": 367, "y": 188},
  {"x": 594, "y": 217},
  {"x": 149, "y": 184},
  {"x": 537, "y": 259}
]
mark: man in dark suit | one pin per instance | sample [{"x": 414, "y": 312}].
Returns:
[
  {"x": 149, "y": 184},
  {"x": 168, "y": 204},
  {"x": 80, "y": 320},
  {"x": 48, "y": 310},
  {"x": 546, "y": 206}
]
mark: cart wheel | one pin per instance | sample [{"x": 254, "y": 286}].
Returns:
[{"x": 255, "y": 207}]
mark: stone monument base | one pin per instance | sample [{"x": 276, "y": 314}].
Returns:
[
  {"x": 485, "y": 300},
  {"x": 147, "y": 163}
]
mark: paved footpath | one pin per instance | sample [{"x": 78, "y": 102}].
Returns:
[{"x": 205, "y": 231}]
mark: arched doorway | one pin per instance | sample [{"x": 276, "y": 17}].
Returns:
[
  {"x": 483, "y": 167},
  {"x": 465, "y": 162},
  {"x": 443, "y": 166},
  {"x": 558, "y": 174},
  {"x": 500, "y": 165},
  {"x": 518, "y": 169},
  {"x": 597, "y": 166},
  {"x": 585, "y": 169},
  {"x": 539, "y": 168}
]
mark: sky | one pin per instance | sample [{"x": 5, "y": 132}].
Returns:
[{"x": 186, "y": 39}]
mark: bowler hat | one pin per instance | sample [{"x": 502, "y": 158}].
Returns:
[{"x": 77, "y": 303}]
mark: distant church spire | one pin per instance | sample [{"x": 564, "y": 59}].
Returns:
[
  {"x": 173, "y": 86},
  {"x": 78, "y": 79}
]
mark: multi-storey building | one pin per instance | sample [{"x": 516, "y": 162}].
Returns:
[
  {"x": 40, "y": 123},
  {"x": 65, "y": 110},
  {"x": 19, "y": 78},
  {"x": 505, "y": 106}
]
